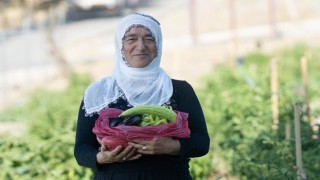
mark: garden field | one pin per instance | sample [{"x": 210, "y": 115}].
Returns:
[{"x": 250, "y": 109}]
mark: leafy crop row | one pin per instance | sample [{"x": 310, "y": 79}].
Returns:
[
  {"x": 46, "y": 151},
  {"x": 237, "y": 105}
]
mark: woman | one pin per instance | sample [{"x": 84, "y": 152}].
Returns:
[{"x": 137, "y": 79}]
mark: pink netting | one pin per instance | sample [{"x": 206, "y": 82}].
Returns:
[{"x": 120, "y": 135}]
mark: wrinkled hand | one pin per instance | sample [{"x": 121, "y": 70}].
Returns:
[
  {"x": 119, "y": 154},
  {"x": 158, "y": 145}
]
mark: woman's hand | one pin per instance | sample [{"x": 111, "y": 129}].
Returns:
[
  {"x": 158, "y": 145},
  {"x": 119, "y": 154}
]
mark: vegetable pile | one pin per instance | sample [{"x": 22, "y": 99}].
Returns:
[
  {"x": 141, "y": 122},
  {"x": 145, "y": 115}
]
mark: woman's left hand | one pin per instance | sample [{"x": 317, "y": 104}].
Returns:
[{"x": 158, "y": 145}]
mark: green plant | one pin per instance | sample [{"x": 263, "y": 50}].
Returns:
[
  {"x": 237, "y": 105},
  {"x": 46, "y": 152}
]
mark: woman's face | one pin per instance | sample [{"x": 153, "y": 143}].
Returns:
[{"x": 139, "y": 47}]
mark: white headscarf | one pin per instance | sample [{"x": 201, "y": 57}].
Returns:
[{"x": 141, "y": 86}]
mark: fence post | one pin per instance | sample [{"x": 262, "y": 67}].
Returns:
[
  {"x": 304, "y": 72},
  {"x": 274, "y": 94},
  {"x": 297, "y": 112}
]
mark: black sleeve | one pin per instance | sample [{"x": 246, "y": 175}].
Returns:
[
  {"x": 86, "y": 144},
  {"x": 198, "y": 143}
]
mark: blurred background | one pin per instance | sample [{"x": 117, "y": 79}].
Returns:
[
  {"x": 40, "y": 39},
  {"x": 43, "y": 42}
]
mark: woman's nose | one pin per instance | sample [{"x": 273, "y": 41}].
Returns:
[{"x": 141, "y": 44}]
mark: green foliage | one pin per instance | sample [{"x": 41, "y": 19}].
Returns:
[
  {"x": 237, "y": 105},
  {"x": 46, "y": 152},
  {"x": 200, "y": 168},
  {"x": 236, "y": 102}
]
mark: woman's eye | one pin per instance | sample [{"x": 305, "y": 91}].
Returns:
[
  {"x": 131, "y": 39},
  {"x": 149, "y": 39}
]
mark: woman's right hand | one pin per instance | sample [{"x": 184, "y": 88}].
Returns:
[{"x": 119, "y": 154}]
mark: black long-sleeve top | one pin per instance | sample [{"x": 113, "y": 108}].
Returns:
[{"x": 183, "y": 99}]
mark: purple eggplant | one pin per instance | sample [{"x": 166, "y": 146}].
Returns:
[
  {"x": 133, "y": 120},
  {"x": 116, "y": 121}
]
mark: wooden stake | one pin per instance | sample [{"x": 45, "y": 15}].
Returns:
[
  {"x": 287, "y": 129},
  {"x": 300, "y": 172},
  {"x": 304, "y": 71},
  {"x": 274, "y": 94}
]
